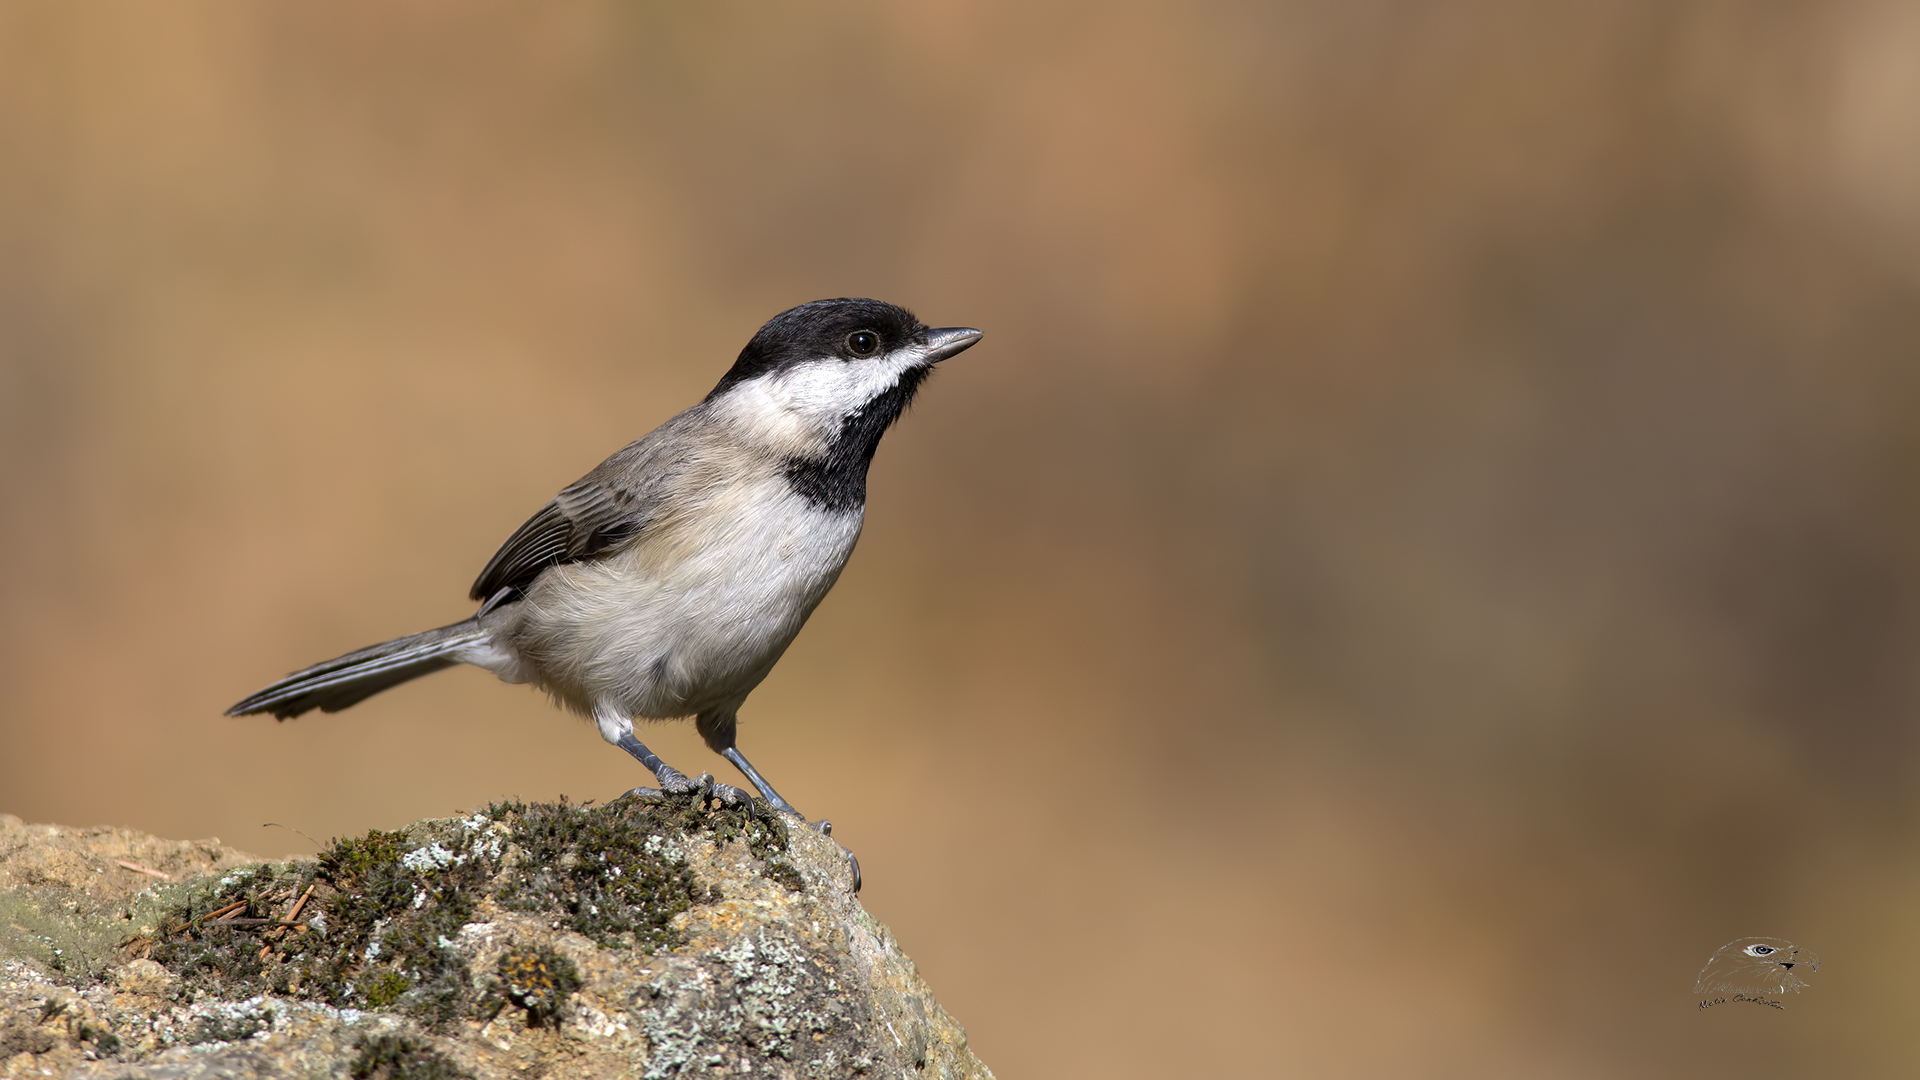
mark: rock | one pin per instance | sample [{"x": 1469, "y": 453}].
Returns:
[
  {"x": 646, "y": 939},
  {"x": 145, "y": 978}
]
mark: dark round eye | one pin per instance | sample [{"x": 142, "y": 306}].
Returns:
[
  {"x": 1761, "y": 950},
  {"x": 863, "y": 343}
]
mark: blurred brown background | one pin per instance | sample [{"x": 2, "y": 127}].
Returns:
[{"x": 1427, "y": 552}]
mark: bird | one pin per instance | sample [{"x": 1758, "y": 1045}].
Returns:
[
  {"x": 1756, "y": 965},
  {"x": 667, "y": 582}
]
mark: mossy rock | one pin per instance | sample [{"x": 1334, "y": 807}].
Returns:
[{"x": 643, "y": 938}]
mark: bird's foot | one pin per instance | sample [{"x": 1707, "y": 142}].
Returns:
[{"x": 703, "y": 788}]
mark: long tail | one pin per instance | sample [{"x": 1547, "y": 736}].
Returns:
[{"x": 334, "y": 684}]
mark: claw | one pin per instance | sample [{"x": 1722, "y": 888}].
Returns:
[
  {"x": 825, "y": 828},
  {"x": 641, "y": 793},
  {"x": 728, "y": 795}
]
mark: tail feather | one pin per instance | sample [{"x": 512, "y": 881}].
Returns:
[{"x": 332, "y": 685}]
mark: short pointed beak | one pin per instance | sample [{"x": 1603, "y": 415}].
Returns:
[{"x": 950, "y": 341}]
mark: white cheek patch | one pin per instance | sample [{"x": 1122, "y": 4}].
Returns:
[
  {"x": 801, "y": 407},
  {"x": 837, "y": 387}
]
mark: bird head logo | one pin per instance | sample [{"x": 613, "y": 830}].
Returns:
[{"x": 1756, "y": 965}]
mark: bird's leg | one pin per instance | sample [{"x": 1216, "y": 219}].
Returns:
[
  {"x": 759, "y": 782},
  {"x": 618, "y": 730},
  {"x": 719, "y": 730},
  {"x": 675, "y": 782}
]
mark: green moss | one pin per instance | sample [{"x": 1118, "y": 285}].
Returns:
[
  {"x": 786, "y": 874},
  {"x": 350, "y": 862},
  {"x": 539, "y": 981},
  {"x": 605, "y": 871},
  {"x": 230, "y": 1026},
  {"x": 105, "y": 1042},
  {"x": 207, "y": 937},
  {"x": 384, "y": 987},
  {"x": 397, "y": 1057},
  {"x": 383, "y": 913}
]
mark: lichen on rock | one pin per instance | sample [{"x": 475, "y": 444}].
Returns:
[{"x": 654, "y": 938}]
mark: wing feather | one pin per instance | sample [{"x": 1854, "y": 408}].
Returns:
[{"x": 608, "y": 505}]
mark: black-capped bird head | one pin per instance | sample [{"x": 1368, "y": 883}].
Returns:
[
  {"x": 1756, "y": 965},
  {"x": 821, "y": 383},
  {"x": 820, "y": 363}
]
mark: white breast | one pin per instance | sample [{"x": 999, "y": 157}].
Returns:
[{"x": 691, "y": 617}]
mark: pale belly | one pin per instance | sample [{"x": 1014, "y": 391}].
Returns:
[{"x": 685, "y": 620}]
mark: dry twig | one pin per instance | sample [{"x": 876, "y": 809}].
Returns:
[
  {"x": 138, "y": 869},
  {"x": 224, "y": 913}
]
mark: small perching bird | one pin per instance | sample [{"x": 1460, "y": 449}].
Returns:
[
  {"x": 667, "y": 582},
  {"x": 1756, "y": 965}
]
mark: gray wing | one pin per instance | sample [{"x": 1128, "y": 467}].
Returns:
[{"x": 610, "y": 504}]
